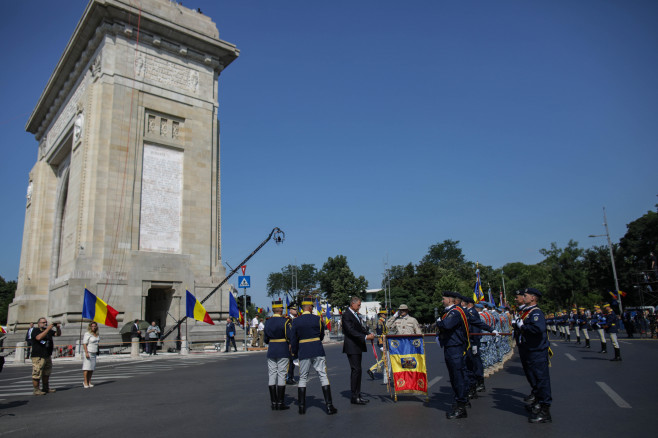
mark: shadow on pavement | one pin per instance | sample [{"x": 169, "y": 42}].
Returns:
[
  {"x": 509, "y": 400},
  {"x": 13, "y": 404},
  {"x": 512, "y": 369}
]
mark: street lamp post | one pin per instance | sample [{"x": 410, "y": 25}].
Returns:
[{"x": 612, "y": 258}]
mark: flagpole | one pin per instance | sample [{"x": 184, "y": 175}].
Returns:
[{"x": 502, "y": 275}]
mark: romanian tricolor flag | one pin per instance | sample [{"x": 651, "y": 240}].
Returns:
[
  {"x": 407, "y": 354},
  {"x": 196, "y": 311},
  {"x": 2, "y": 329},
  {"x": 97, "y": 310}
]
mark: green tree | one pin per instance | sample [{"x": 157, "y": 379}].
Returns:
[
  {"x": 339, "y": 283},
  {"x": 640, "y": 239},
  {"x": 283, "y": 283},
  {"x": 7, "y": 293},
  {"x": 568, "y": 279}
]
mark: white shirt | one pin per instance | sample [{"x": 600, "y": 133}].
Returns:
[
  {"x": 254, "y": 322},
  {"x": 261, "y": 327},
  {"x": 91, "y": 341}
]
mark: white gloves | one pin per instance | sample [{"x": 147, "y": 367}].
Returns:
[
  {"x": 475, "y": 349},
  {"x": 519, "y": 323},
  {"x": 438, "y": 319},
  {"x": 395, "y": 315},
  {"x": 496, "y": 332}
]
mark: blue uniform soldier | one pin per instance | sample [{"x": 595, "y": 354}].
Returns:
[
  {"x": 474, "y": 367},
  {"x": 306, "y": 343},
  {"x": 598, "y": 323},
  {"x": 612, "y": 328},
  {"x": 453, "y": 336},
  {"x": 533, "y": 335},
  {"x": 277, "y": 330}
]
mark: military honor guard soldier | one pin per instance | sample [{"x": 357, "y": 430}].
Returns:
[
  {"x": 474, "y": 367},
  {"x": 453, "y": 336},
  {"x": 533, "y": 335},
  {"x": 612, "y": 328},
  {"x": 306, "y": 343},
  {"x": 276, "y": 334}
]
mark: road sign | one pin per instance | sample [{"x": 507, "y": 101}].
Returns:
[
  {"x": 244, "y": 268},
  {"x": 244, "y": 281}
]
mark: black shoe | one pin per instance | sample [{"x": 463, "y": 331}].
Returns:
[
  {"x": 358, "y": 401},
  {"x": 459, "y": 411},
  {"x": 617, "y": 357},
  {"x": 472, "y": 393},
  {"x": 533, "y": 408},
  {"x": 370, "y": 374},
  {"x": 543, "y": 415},
  {"x": 301, "y": 400},
  {"x": 280, "y": 398},
  {"x": 326, "y": 391},
  {"x": 273, "y": 398},
  {"x": 480, "y": 387},
  {"x": 529, "y": 398}
]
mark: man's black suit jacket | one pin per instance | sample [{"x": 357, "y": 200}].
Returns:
[{"x": 354, "y": 334}]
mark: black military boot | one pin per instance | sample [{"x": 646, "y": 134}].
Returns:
[
  {"x": 301, "y": 400},
  {"x": 587, "y": 343},
  {"x": 472, "y": 392},
  {"x": 480, "y": 386},
  {"x": 568, "y": 337},
  {"x": 578, "y": 340},
  {"x": 273, "y": 399},
  {"x": 542, "y": 416},
  {"x": 281, "y": 397},
  {"x": 326, "y": 391},
  {"x": 533, "y": 408},
  {"x": 617, "y": 357},
  {"x": 458, "y": 411},
  {"x": 530, "y": 398},
  {"x": 603, "y": 348}
]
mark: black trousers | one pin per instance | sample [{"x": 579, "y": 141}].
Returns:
[
  {"x": 230, "y": 340},
  {"x": 355, "y": 375}
]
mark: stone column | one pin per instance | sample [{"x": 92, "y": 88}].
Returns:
[
  {"x": 184, "y": 349},
  {"x": 19, "y": 355},
  {"x": 134, "y": 347}
]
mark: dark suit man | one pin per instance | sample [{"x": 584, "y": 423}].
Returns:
[
  {"x": 354, "y": 345},
  {"x": 135, "y": 332}
]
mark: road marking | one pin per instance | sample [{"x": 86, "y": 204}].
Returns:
[
  {"x": 553, "y": 344},
  {"x": 570, "y": 356},
  {"x": 625, "y": 342},
  {"x": 613, "y": 395},
  {"x": 433, "y": 381}
]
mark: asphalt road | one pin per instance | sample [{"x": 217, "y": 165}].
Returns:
[{"x": 222, "y": 393}]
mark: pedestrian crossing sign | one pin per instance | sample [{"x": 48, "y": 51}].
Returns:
[{"x": 244, "y": 281}]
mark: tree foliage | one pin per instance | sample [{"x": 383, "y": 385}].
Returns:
[
  {"x": 338, "y": 282},
  {"x": 7, "y": 292},
  {"x": 283, "y": 283}
]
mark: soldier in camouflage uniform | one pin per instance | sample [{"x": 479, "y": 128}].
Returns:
[{"x": 403, "y": 324}]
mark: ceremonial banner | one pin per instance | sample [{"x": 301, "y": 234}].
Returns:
[{"x": 407, "y": 356}]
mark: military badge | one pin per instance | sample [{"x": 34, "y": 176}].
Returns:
[
  {"x": 408, "y": 363},
  {"x": 394, "y": 343},
  {"x": 416, "y": 343}
]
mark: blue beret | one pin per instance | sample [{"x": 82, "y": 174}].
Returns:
[
  {"x": 532, "y": 291},
  {"x": 519, "y": 292},
  {"x": 468, "y": 299},
  {"x": 450, "y": 294},
  {"x": 479, "y": 306}
]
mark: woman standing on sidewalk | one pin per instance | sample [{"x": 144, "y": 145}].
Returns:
[{"x": 90, "y": 345}]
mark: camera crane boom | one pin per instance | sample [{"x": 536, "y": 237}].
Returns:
[{"x": 276, "y": 234}]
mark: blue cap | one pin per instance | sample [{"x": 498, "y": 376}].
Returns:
[
  {"x": 532, "y": 291},
  {"x": 479, "y": 306},
  {"x": 450, "y": 294}
]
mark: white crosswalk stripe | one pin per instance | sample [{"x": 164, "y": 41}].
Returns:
[{"x": 105, "y": 372}]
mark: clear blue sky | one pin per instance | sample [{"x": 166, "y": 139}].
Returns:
[{"x": 375, "y": 129}]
